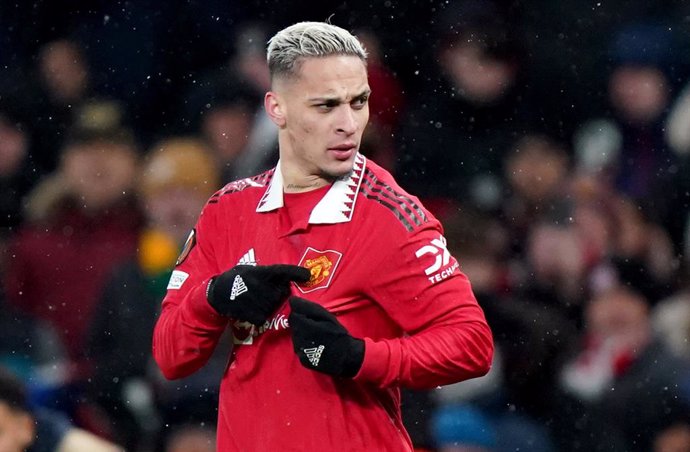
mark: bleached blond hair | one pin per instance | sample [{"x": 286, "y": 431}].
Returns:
[{"x": 288, "y": 47}]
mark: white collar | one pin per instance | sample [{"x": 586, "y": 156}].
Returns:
[{"x": 337, "y": 204}]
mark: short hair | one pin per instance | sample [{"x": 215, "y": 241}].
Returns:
[
  {"x": 309, "y": 40},
  {"x": 12, "y": 391}
]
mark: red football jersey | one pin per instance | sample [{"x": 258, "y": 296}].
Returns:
[{"x": 378, "y": 261}]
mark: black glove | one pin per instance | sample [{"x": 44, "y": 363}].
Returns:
[
  {"x": 321, "y": 342},
  {"x": 252, "y": 293}
]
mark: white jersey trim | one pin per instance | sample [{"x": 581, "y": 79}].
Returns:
[{"x": 337, "y": 205}]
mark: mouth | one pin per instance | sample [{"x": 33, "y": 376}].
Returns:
[{"x": 343, "y": 151}]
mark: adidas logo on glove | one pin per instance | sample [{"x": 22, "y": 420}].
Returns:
[
  {"x": 252, "y": 293},
  {"x": 314, "y": 354},
  {"x": 238, "y": 287}
]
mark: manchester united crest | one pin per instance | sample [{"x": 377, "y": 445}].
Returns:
[{"x": 322, "y": 265}]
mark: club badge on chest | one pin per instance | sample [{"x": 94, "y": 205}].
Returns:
[{"x": 322, "y": 265}]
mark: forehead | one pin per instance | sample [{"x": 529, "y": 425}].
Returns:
[{"x": 331, "y": 75}]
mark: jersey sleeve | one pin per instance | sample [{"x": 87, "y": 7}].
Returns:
[
  {"x": 188, "y": 328},
  {"x": 447, "y": 338}
]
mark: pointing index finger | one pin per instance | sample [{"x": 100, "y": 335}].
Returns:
[{"x": 288, "y": 272}]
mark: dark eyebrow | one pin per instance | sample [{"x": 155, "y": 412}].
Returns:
[
  {"x": 324, "y": 99},
  {"x": 337, "y": 100},
  {"x": 330, "y": 101},
  {"x": 364, "y": 93}
]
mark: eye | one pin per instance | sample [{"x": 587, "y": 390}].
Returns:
[
  {"x": 360, "y": 102},
  {"x": 326, "y": 106}
]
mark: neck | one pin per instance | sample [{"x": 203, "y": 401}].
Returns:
[
  {"x": 296, "y": 181},
  {"x": 297, "y": 188}
]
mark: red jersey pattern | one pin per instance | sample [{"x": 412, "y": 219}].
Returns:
[{"x": 378, "y": 262}]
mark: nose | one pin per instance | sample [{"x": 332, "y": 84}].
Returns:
[{"x": 347, "y": 121}]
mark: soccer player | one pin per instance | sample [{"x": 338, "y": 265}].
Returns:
[{"x": 336, "y": 284}]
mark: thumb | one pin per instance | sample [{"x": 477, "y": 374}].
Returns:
[{"x": 285, "y": 272}]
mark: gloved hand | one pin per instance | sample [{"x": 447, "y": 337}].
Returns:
[
  {"x": 321, "y": 342},
  {"x": 252, "y": 293}
]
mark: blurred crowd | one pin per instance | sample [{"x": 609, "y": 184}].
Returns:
[{"x": 552, "y": 139}]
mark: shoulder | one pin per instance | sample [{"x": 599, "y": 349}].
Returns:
[
  {"x": 379, "y": 192},
  {"x": 240, "y": 196},
  {"x": 243, "y": 188},
  {"x": 77, "y": 439}
]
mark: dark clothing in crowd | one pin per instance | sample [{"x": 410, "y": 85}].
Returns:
[
  {"x": 51, "y": 428},
  {"x": 449, "y": 144},
  {"x": 56, "y": 271},
  {"x": 645, "y": 398}
]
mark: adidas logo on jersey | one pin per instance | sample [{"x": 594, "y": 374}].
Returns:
[
  {"x": 248, "y": 258},
  {"x": 314, "y": 354},
  {"x": 238, "y": 287}
]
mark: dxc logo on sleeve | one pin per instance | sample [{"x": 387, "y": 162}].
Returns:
[{"x": 441, "y": 256}]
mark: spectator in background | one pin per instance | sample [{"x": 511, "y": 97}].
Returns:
[
  {"x": 624, "y": 374},
  {"x": 177, "y": 178},
  {"x": 457, "y": 131},
  {"x": 63, "y": 83},
  {"x": 64, "y": 72},
  {"x": 225, "y": 107},
  {"x": 31, "y": 349},
  {"x": 83, "y": 221},
  {"x": 628, "y": 148},
  {"x": 226, "y": 125},
  {"x": 251, "y": 67},
  {"x": 631, "y": 136},
  {"x": 588, "y": 239},
  {"x": 537, "y": 173},
  {"x": 670, "y": 317},
  {"x": 620, "y": 242},
  {"x": 641, "y": 252},
  {"x": 557, "y": 263},
  {"x": 23, "y": 429},
  {"x": 17, "y": 172}
]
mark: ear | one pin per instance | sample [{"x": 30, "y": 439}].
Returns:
[{"x": 274, "y": 108}]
